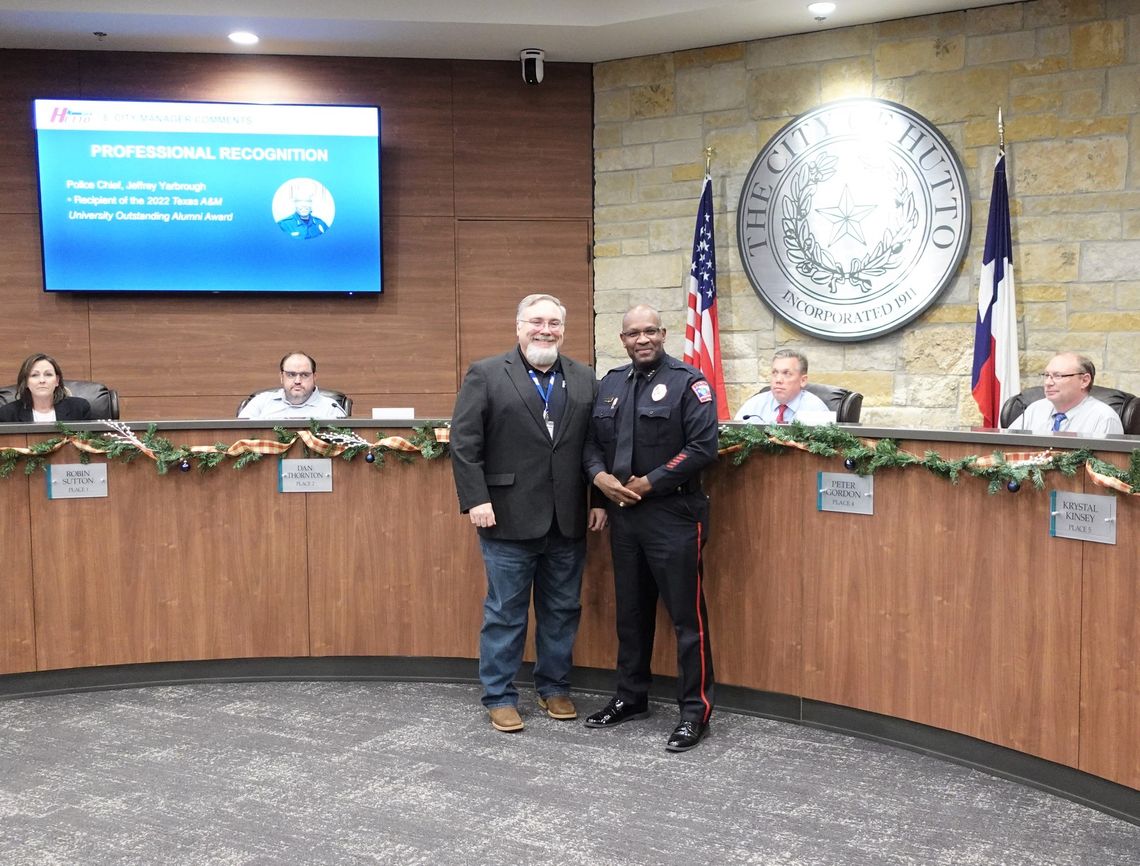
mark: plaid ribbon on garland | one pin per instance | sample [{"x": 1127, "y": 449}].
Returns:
[
  {"x": 1108, "y": 481},
  {"x": 310, "y": 440},
  {"x": 242, "y": 446},
  {"x": 1017, "y": 459},
  {"x": 1014, "y": 459}
]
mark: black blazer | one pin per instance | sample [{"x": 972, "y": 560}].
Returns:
[
  {"x": 67, "y": 409},
  {"x": 502, "y": 454}
]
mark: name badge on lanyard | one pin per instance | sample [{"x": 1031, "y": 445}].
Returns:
[{"x": 545, "y": 395}]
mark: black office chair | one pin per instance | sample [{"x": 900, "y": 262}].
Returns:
[
  {"x": 104, "y": 401},
  {"x": 847, "y": 405},
  {"x": 342, "y": 399},
  {"x": 1126, "y": 405}
]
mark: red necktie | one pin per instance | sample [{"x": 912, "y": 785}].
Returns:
[{"x": 780, "y": 413}]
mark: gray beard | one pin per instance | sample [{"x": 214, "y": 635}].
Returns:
[{"x": 542, "y": 354}]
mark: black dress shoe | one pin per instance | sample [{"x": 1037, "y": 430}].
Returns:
[
  {"x": 686, "y": 736},
  {"x": 616, "y": 712}
]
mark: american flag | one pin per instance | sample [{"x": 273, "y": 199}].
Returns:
[{"x": 702, "y": 333}]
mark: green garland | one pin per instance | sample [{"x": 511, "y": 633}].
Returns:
[
  {"x": 166, "y": 454},
  {"x": 740, "y": 440},
  {"x": 830, "y": 441}
]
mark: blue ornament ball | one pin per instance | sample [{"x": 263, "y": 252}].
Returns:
[
  {"x": 369, "y": 457},
  {"x": 849, "y": 463},
  {"x": 184, "y": 465},
  {"x": 1013, "y": 486}
]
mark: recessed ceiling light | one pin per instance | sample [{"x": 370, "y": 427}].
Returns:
[
  {"x": 244, "y": 37},
  {"x": 821, "y": 10}
]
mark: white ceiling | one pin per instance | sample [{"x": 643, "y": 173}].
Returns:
[{"x": 568, "y": 30}]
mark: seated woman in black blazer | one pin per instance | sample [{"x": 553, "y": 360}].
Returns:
[{"x": 40, "y": 395}]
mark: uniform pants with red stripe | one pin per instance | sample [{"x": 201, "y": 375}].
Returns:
[{"x": 656, "y": 547}]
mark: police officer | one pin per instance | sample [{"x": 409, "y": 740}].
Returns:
[{"x": 653, "y": 429}]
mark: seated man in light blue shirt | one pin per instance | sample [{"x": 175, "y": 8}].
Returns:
[
  {"x": 787, "y": 397},
  {"x": 1067, "y": 406},
  {"x": 298, "y": 397}
]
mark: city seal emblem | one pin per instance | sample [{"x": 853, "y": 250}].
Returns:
[{"x": 853, "y": 219}]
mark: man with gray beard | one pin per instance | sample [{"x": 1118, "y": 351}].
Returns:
[{"x": 517, "y": 434}]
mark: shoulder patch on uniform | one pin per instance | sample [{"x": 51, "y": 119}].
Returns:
[{"x": 702, "y": 391}]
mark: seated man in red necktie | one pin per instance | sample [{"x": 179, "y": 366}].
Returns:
[{"x": 787, "y": 397}]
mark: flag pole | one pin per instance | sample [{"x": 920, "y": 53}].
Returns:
[
  {"x": 702, "y": 331},
  {"x": 996, "y": 372}
]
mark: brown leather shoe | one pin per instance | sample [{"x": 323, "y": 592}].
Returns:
[
  {"x": 558, "y": 707},
  {"x": 506, "y": 719}
]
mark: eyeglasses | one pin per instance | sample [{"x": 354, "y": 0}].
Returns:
[
  {"x": 289, "y": 374},
  {"x": 539, "y": 324},
  {"x": 648, "y": 332},
  {"x": 1057, "y": 377}
]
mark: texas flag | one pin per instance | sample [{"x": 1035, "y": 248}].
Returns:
[{"x": 996, "y": 377}]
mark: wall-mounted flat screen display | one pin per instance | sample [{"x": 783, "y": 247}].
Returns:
[{"x": 208, "y": 197}]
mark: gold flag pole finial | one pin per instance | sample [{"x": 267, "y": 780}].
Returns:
[
  {"x": 708, "y": 161},
  {"x": 1001, "y": 134}
]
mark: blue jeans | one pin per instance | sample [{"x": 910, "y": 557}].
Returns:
[{"x": 552, "y": 565}]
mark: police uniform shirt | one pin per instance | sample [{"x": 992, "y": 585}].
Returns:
[{"x": 676, "y": 427}]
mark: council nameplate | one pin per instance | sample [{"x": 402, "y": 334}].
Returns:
[
  {"x": 76, "y": 480},
  {"x": 850, "y": 494},
  {"x": 305, "y": 476},
  {"x": 1082, "y": 516}
]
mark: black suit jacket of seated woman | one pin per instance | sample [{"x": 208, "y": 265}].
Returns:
[{"x": 67, "y": 409}]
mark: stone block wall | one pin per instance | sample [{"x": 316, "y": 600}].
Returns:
[{"x": 1066, "y": 74}]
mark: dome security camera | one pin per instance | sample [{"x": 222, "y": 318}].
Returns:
[{"x": 532, "y": 64}]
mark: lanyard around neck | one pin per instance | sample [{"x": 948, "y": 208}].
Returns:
[{"x": 545, "y": 395}]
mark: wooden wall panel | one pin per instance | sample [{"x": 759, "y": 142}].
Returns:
[
  {"x": 17, "y": 626},
  {"x": 27, "y": 75},
  {"x": 394, "y": 567},
  {"x": 502, "y": 261},
  {"x": 753, "y": 563},
  {"x": 508, "y": 165},
  {"x": 960, "y": 618},
  {"x": 17, "y": 152},
  {"x": 1110, "y": 657},
  {"x": 34, "y": 321},
  {"x": 596, "y": 646},
  {"x": 177, "y": 567}
]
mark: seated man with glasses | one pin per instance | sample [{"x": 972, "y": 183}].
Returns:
[
  {"x": 787, "y": 397},
  {"x": 298, "y": 396},
  {"x": 1067, "y": 406}
]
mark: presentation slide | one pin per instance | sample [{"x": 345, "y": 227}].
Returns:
[{"x": 208, "y": 197}]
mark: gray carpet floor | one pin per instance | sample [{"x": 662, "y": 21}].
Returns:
[{"x": 412, "y": 773}]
